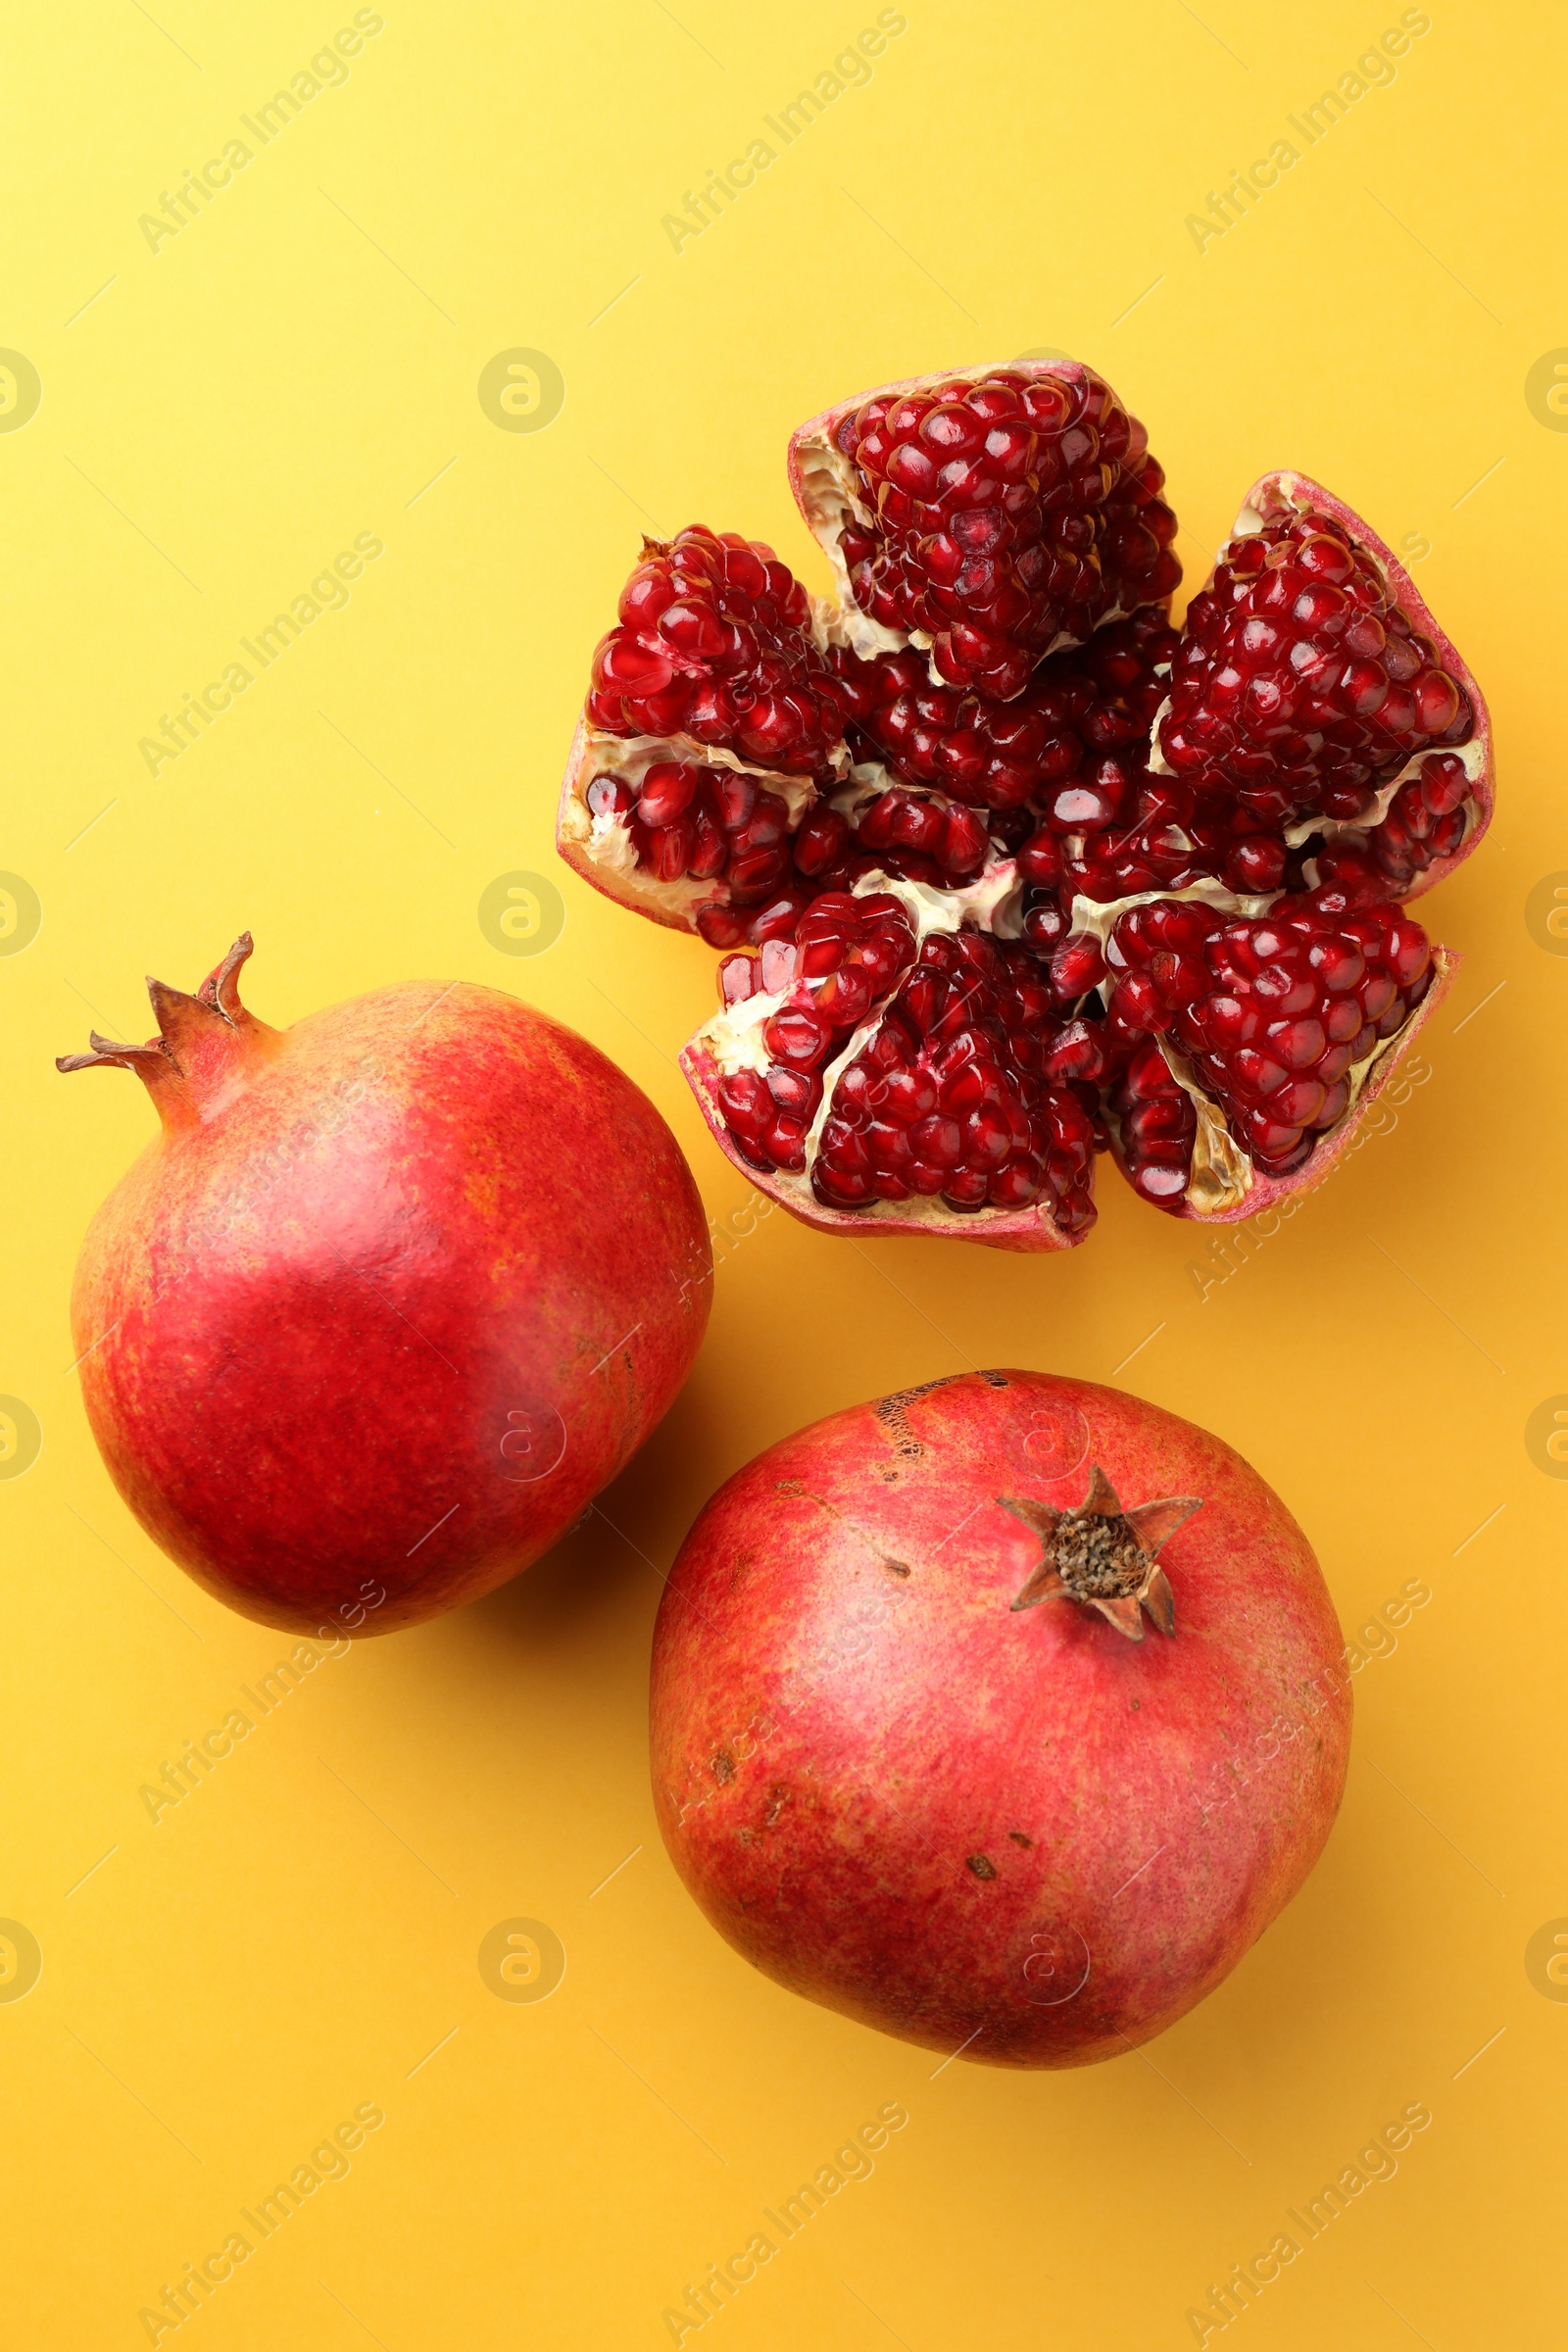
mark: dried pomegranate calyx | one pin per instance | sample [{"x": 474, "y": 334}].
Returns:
[
  {"x": 204, "y": 1042},
  {"x": 1104, "y": 1557}
]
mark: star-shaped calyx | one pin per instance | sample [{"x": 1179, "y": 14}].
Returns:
[{"x": 1104, "y": 1557}]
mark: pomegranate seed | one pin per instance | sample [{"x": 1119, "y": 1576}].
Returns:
[
  {"x": 667, "y": 791},
  {"x": 796, "y": 1037},
  {"x": 779, "y": 918},
  {"x": 738, "y": 979},
  {"x": 611, "y": 796},
  {"x": 721, "y": 926}
]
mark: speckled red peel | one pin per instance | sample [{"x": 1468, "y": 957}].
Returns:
[
  {"x": 994, "y": 720},
  {"x": 356, "y": 1341},
  {"x": 916, "y": 1759}
]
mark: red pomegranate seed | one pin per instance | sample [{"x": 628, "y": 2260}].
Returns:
[
  {"x": 821, "y": 840},
  {"x": 667, "y": 790},
  {"x": 721, "y": 926}
]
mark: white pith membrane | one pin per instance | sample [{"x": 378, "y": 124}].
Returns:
[{"x": 1222, "y": 1174}]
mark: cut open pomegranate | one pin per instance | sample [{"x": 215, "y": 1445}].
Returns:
[{"x": 1008, "y": 867}]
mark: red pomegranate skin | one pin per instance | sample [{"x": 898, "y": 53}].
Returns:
[
  {"x": 374, "y": 1275},
  {"x": 1015, "y": 1832}
]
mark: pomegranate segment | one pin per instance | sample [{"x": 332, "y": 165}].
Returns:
[
  {"x": 941, "y": 1093},
  {"x": 736, "y": 853},
  {"x": 714, "y": 642},
  {"x": 1300, "y": 683},
  {"x": 995, "y": 515},
  {"x": 864, "y": 1078},
  {"x": 1278, "y": 1022},
  {"x": 997, "y": 722}
]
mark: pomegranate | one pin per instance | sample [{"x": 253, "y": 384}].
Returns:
[
  {"x": 1195, "y": 840},
  {"x": 388, "y": 1300},
  {"x": 1002, "y": 1714}
]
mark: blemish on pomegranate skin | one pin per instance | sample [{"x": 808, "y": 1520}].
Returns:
[
  {"x": 982, "y": 1865},
  {"x": 788, "y": 1486},
  {"x": 897, "y": 1567},
  {"x": 722, "y": 1768},
  {"x": 778, "y": 1800},
  {"x": 1017, "y": 1836},
  {"x": 892, "y": 1412}
]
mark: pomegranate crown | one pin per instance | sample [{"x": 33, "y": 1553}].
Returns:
[
  {"x": 1104, "y": 1557},
  {"x": 196, "y": 1039}
]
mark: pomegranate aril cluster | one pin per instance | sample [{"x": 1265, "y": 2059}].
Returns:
[
  {"x": 1300, "y": 683},
  {"x": 844, "y": 961},
  {"x": 1425, "y": 821},
  {"x": 949, "y": 1098},
  {"x": 1079, "y": 703},
  {"x": 714, "y": 642},
  {"x": 716, "y": 825},
  {"x": 1269, "y": 1016},
  {"x": 1070, "y": 758},
  {"x": 1004, "y": 516},
  {"x": 1036, "y": 735},
  {"x": 948, "y": 1093}
]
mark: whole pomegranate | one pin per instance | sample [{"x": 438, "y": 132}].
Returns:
[
  {"x": 1011, "y": 869},
  {"x": 1002, "y": 1714},
  {"x": 390, "y": 1298}
]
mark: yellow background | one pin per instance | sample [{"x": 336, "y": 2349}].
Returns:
[{"x": 219, "y": 418}]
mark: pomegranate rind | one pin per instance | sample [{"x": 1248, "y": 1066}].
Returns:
[
  {"x": 1272, "y": 498},
  {"x": 1266, "y": 1192},
  {"x": 1027, "y": 1229}
]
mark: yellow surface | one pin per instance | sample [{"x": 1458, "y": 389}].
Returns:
[{"x": 222, "y": 412}]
